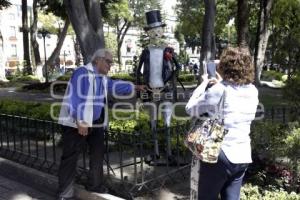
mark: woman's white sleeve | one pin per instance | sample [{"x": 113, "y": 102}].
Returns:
[
  {"x": 196, "y": 98},
  {"x": 205, "y": 101}
]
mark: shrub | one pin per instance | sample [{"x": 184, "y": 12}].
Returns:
[
  {"x": 27, "y": 78},
  {"x": 187, "y": 77},
  {"x": 250, "y": 192},
  {"x": 124, "y": 77},
  {"x": 276, "y": 155},
  {"x": 271, "y": 75},
  {"x": 27, "y": 109},
  {"x": 267, "y": 140},
  {"x": 65, "y": 77},
  {"x": 292, "y": 91}
]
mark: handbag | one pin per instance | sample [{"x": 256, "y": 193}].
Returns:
[{"x": 205, "y": 137}]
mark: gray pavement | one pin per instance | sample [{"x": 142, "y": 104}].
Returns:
[
  {"x": 12, "y": 190},
  {"x": 12, "y": 93}
]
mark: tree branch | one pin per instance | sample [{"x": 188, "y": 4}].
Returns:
[
  {"x": 56, "y": 51},
  {"x": 124, "y": 33}
]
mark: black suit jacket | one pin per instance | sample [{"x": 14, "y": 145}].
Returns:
[{"x": 167, "y": 73}]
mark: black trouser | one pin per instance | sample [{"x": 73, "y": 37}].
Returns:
[{"x": 73, "y": 144}]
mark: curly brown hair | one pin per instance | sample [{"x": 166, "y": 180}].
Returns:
[{"x": 236, "y": 66}]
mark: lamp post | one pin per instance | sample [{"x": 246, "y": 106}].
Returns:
[{"x": 44, "y": 33}]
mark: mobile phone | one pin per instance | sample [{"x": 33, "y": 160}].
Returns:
[{"x": 211, "y": 69}]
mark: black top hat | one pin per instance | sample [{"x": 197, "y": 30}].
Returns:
[{"x": 153, "y": 18}]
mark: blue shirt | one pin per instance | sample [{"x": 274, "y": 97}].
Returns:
[{"x": 78, "y": 92}]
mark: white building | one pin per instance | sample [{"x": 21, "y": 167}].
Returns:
[{"x": 12, "y": 55}]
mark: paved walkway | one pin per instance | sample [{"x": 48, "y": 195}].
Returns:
[
  {"x": 11, "y": 190},
  {"x": 11, "y": 93}
]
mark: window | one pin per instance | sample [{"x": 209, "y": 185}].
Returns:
[
  {"x": 128, "y": 46},
  {"x": 19, "y": 10},
  {"x": 13, "y": 50},
  {"x": 12, "y": 31},
  {"x": 11, "y": 16}
]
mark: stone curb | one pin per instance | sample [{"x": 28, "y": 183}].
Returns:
[{"x": 44, "y": 182}]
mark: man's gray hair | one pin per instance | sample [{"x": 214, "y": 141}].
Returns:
[{"x": 100, "y": 53}]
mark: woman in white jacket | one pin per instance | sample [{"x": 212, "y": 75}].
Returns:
[{"x": 240, "y": 104}]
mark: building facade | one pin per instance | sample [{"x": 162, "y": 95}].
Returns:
[{"x": 12, "y": 39}]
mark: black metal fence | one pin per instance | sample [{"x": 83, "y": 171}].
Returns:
[{"x": 36, "y": 143}]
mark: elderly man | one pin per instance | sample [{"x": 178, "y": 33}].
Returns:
[{"x": 83, "y": 116}]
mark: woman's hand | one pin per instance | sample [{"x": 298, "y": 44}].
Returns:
[
  {"x": 219, "y": 77},
  {"x": 215, "y": 80},
  {"x": 204, "y": 77}
]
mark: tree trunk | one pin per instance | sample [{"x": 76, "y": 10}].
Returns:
[
  {"x": 77, "y": 52},
  {"x": 208, "y": 28},
  {"x": 120, "y": 39},
  {"x": 262, "y": 37},
  {"x": 88, "y": 27},
  {"x": 242, "y": 23},
  {"x": 55, "y": 54},
  {"x": 2, "y": 63},
  {"x": 27, "y": 68},
  {"x": 119, "y": 56},
  {"x": 33, "y": 34}
]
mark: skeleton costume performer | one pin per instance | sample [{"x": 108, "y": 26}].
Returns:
[{"x": 157, "y": 66}]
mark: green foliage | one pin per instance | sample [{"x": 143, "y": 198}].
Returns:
[
  {"x": 190, "y": 14},
  {"x": 21, "y": 78},
  {"x": 292, "y": 140},
  {"x": 125, "y": 77},
  {"x": 49, "y": 22},
  {"x": 111, "y": 43},
  {"x": 272, "y": 143},
  {"x": 271, "y": 75},
  {"x": 292, "y": 90},
  {"x": 65, "y": 77},
  {"x": 4, "y": 4},
  {"x": 292, "y": 150},
  {"x": 28, "y": 109},
  {"x": 119, "y": 10},
  {"x": 267, "y": 140},
  {"x": 55, "y": 7},
  {"x": 128, "y": 122},
  {"x": 183, "y": 57},
  {"x": 285, "y": 40},
  {"x": 250, "y": 192},
  {"x": 187, "y": 77}
]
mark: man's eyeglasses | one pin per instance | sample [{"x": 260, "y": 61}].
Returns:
[{"x": 108, "y": 61}]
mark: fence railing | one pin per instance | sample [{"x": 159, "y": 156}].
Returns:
[{"x": 37, "y": 144}]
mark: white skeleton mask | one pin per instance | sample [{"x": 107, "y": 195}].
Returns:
[{"x": 154, "y": 33}]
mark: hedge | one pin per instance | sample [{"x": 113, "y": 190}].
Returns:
[
  {"x": 42, "y": 111},
  {"x": 27, "y": 78},
  {"x": 187, "y": 77},
  {"x": 124, "y": 77},
  {"x": 271, "y": 75},
  {"x": 250, "y": 192}
]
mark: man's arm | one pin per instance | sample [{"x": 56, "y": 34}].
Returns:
[
  {"x": 119, "y": 87},
  {"x": 78, "y": 91}
]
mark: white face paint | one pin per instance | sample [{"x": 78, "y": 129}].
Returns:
[{"x": 157, "y": 32}]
